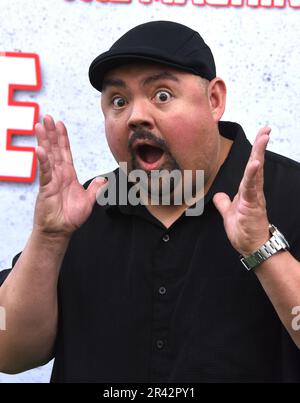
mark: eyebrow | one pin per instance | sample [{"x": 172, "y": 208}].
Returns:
[
  {"x": 160, "y": 76},
  {"x": 116, "y": 82},
  {"x": 113, "y": 82}
]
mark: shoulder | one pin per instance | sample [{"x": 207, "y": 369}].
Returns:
[
  {"x": 281, "y": 162},
  {"x": 282, "y": 173},
  {"x": 282, "y": 191}
]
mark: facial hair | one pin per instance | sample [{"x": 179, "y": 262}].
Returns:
[{"x": 170, "y": 164}]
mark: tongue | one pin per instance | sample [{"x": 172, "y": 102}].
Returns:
[{"x": 150, "y": 154}]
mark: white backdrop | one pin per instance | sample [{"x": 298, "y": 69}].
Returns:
[{"x": 256, "y": 50}]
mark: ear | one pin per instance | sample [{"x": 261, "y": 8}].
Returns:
[{"x": 217, "y": 97}]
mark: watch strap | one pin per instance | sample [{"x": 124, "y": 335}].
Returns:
[{"x": 276, "y": 243}]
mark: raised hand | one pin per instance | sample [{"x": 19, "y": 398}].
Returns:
[
  {"x": 245, "y": 218},
  {"x": 62, "y": 204}
]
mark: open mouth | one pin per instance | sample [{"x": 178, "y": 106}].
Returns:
[{"x": 148, "y": 153}]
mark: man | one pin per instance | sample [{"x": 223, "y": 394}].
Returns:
[{"x": 146, "y": 292}]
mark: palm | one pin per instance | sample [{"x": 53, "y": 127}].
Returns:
[
  {"x": 245, "y": 218},
  {"x": 62, "y": 204},
  {"x": 241, "y": 223}
]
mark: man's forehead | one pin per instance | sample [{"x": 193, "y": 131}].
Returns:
[{"x": 143, "y": 72}]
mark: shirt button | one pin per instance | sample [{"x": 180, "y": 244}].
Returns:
[
  {"x": 160, "y": 344},
  {"x": 166, "y": 238},
  {"x": 162, "y": 290}
]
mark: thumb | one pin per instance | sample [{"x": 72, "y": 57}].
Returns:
[
  {"x": 222, "y": 203},
  {"x": 96, "y": 186}
]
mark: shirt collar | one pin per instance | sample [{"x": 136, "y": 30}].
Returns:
[{"x": 231, "y": 172}]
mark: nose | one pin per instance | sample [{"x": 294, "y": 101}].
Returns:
[{"x": 140, "y": 116}]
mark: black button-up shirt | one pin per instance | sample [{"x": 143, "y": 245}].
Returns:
[{"x": 142, "y": 303}]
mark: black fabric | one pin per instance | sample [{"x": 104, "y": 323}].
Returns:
[
  {"x": 3, "y": 275},
  {"x": 135, "y": 306},
  {"x": 165, "y": 42}
]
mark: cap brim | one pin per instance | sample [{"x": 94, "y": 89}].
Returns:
[{"x": 101, "y": 65}]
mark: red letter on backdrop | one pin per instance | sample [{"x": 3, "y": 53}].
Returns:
[{"x": 18, "y": 71}]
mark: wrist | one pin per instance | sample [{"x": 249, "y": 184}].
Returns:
[
  {"x": 50, "y": 237},
  {"x": 247, "y": 244},
  {"x": 254, "y": 245},
  {"x": 274, "y": 244}
]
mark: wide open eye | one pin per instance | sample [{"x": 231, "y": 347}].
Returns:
[
  {"x": 162, "y": 96},
  {"x": 118, "y": 102}
]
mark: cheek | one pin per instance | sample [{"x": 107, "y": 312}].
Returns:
[
  {"x": 116, "y": 140},
  {"x": 190, "y": 139},
  {"x": 183, "y": 132}
]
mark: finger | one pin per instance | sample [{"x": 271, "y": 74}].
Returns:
[
  {"x": 248, "y": 186},
  {"x": 43, "y": 141},
  {"x": 259, "y": 148},
  {"x": 222, "y": 203},
  {"x": 264, "y": 132},
  {"x": 260, "y": 156},
  {"x": 45, "y": 166},
  {"x": 52, "y": 136},
  {"x": 63, "y": 141},
  {"x": 96, "y": 186}
]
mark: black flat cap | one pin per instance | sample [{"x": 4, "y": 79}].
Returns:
[{"x": 164, "y": 42}]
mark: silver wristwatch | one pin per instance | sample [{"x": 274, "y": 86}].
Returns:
[{"x": 276, "y": 243}]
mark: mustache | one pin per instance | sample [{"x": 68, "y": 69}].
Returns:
[{"x": 142, "y": 134}]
